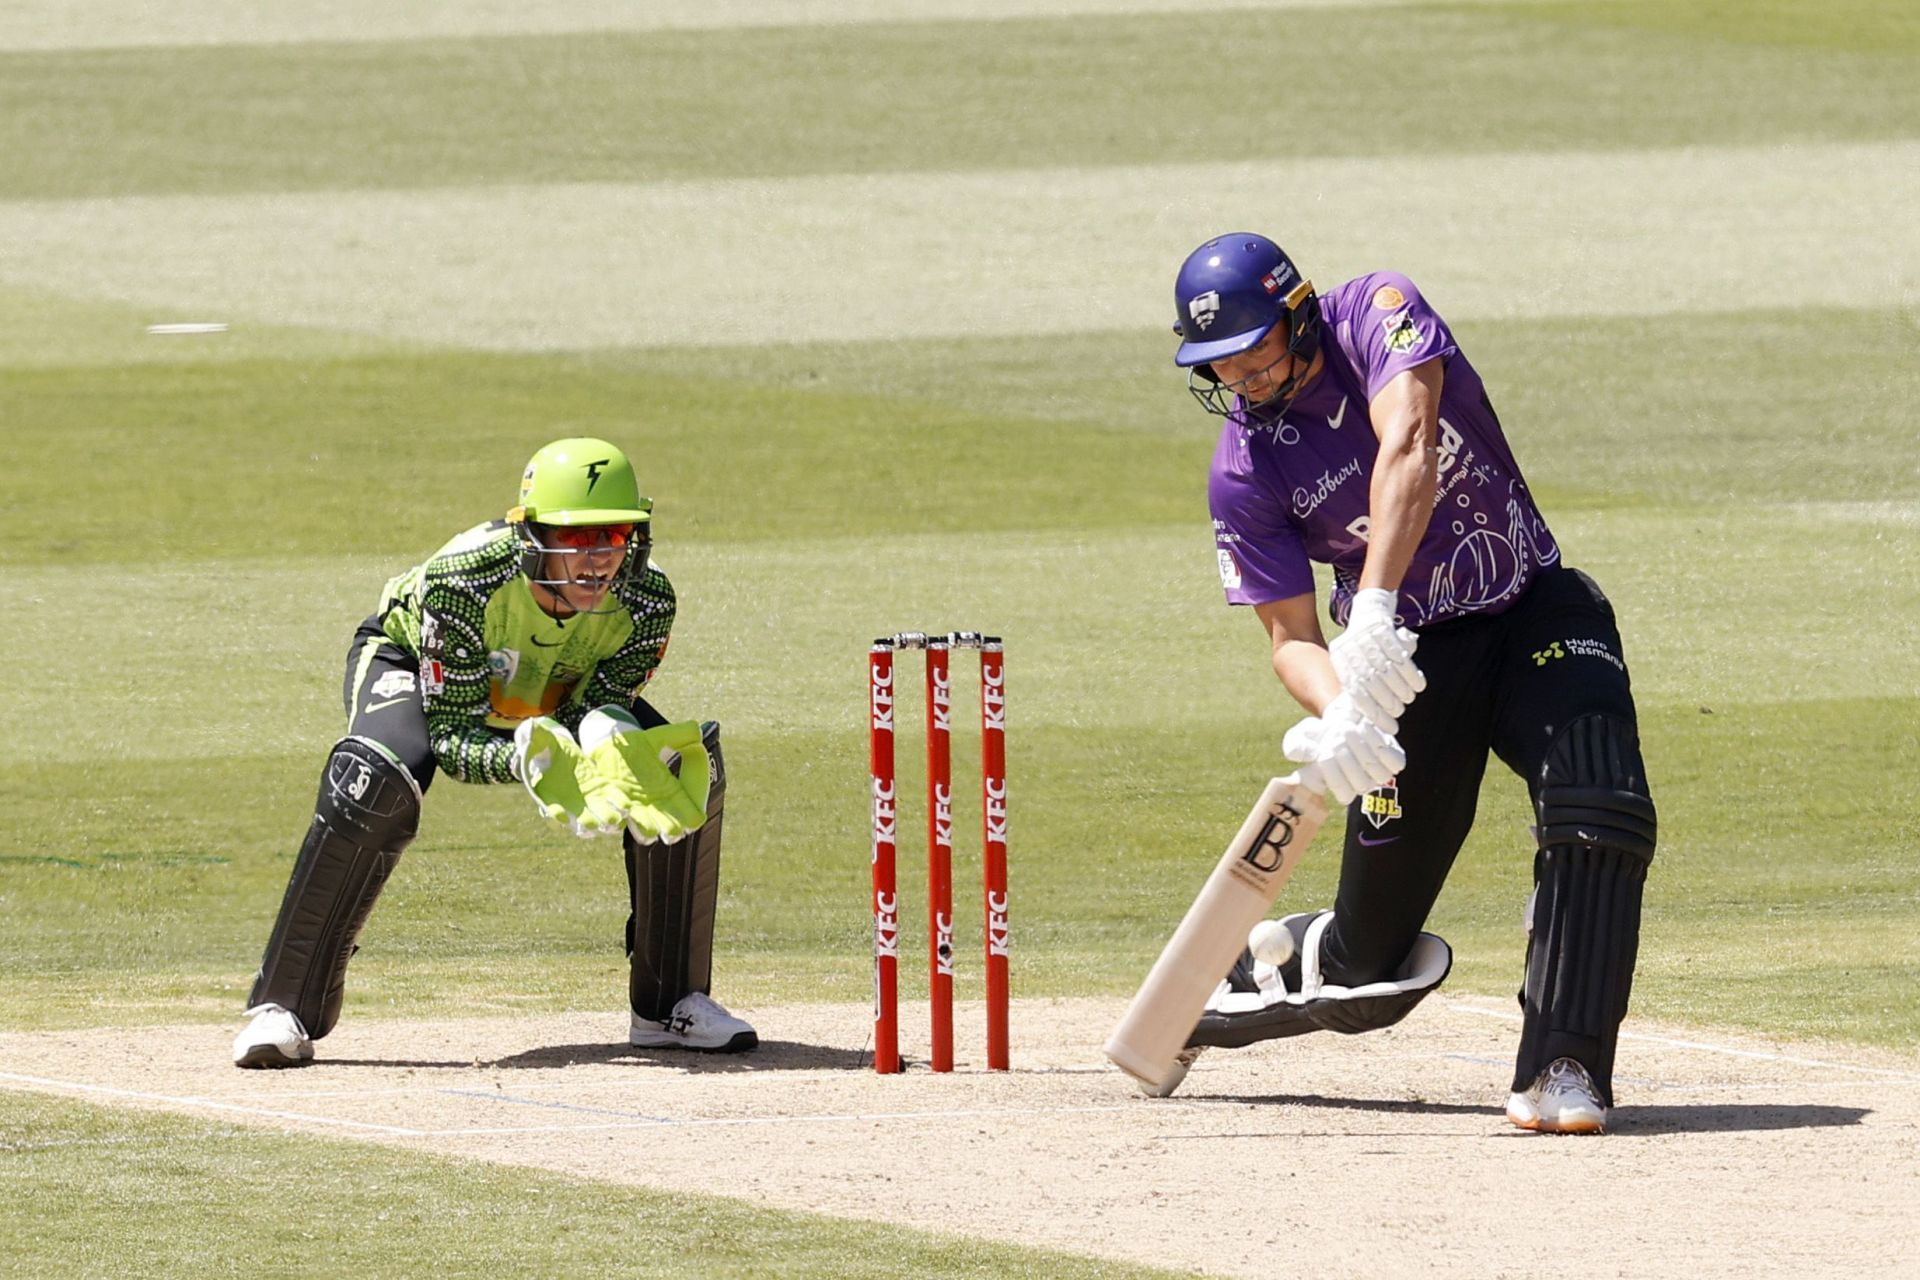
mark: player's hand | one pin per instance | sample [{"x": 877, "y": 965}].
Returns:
[
  {"x": 1351, "y": 754},
  {"x": 561, "y": 780},
  {"x": 1374, "y": 658},
  {"x": 636, "y": 768}
]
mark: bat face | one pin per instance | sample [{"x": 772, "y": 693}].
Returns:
[{"x": 1245, "y": 882}]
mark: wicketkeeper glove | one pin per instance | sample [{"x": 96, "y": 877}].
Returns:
[
  {"x": 636, "y": 775},
  {"x": 561, "y": 780},
  {"x": 1351, "y": 754},
  {"x": 1374, "y": 658}
]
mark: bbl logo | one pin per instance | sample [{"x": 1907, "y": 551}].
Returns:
[
  {"x": 1401, "y": 333},
  {"x": 1381, "y": 805}
]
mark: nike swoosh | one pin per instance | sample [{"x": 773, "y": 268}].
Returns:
[
  {"x": 1340, "y": 417},
  {"x": 390, "y": 702},
  {"x": 544, "y": 645},
  {"x": 1374, "y": 843}
]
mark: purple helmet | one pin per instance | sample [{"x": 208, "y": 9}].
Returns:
[{"x": 1229, "y": 295}]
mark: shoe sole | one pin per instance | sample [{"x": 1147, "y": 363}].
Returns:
[
  {"x": 1538, "y": 1124},
  {"x": 740, "y": 1043},
  {"x": 269, "y": 1055}
]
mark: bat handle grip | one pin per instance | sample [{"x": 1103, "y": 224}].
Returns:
[{"x": 1308, "y": 775}]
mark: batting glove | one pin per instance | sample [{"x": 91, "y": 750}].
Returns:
[
  {"x": 1351, "y": 754},
  {"x": 1374, "y": 658}
]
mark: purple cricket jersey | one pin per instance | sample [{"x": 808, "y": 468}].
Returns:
[{"x": 1297, "y": 490}]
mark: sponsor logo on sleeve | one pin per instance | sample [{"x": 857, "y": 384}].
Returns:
[
  {"x": 1401, "y": 333},
  {"x": 1388, "y": 298},
  {"x": 393, "y": 682},
  {"x": 1229, "y": 569}
]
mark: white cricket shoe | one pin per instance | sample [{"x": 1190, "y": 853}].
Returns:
[
  {"x": 1562, "y": 1100},
  {"x": 1182, "y": 1063},
  {"x": 274, "y": 1038},
  {"x": 697, "y": 1022}
]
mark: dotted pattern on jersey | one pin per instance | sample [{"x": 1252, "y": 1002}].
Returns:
[
  {"x": 620, "y": 677},
  {"x": 455, "y": 587},
  {"x": 454, "y": 590}
]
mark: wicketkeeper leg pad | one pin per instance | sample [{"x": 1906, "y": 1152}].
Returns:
[
  {"x": 367, "y": 813},
  {"x": 1597, "y": 835},
  {"x": 1255, "y": 1003},
  {"x": 675, "y": 889}
]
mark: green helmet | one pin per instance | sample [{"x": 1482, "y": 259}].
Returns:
[{"x": 582, "y": 481}]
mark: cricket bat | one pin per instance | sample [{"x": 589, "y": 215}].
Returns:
[{"x": 1236, "y": 897}]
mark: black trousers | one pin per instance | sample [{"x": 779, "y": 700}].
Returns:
[{"x": 1502, "y": 685}]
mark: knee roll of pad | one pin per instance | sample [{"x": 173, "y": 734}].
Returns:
[
  {"x": 367, "y": 812},
  {"x": 1255, "y": 1003},
  {"x": 369, "y": 791},
  {"x": 676, "y": 888},
  {"x": 1593, "y": 790}
]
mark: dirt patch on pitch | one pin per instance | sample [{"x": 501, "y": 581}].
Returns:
[{"x": 1366, "y": 1155}]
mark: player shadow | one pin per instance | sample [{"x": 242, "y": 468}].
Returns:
[
  {"x": 771, "y": 1055},
  {"x": 1390, "y": 1106},
  {"x": 462, "y": 1064},
  {"x": 1731, "y": 1117},
  {"x": 1629, "y": 1120}
]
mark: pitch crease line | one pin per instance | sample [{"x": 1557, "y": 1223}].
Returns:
[
  {"x": 716, "y": 1122},
  {"x": 213, "y": 1104},
  {"x": 1758, "y": 1055},
  {"x": 512, "y": 1101}
]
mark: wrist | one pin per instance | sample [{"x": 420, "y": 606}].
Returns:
[
  {"x": 1372, "y": 605},
  {"x": 1342, "y": 710}
]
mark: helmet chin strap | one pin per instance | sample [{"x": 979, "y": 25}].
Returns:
[{"x": 1304, "y": 347}]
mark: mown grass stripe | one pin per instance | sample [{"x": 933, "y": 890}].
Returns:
[
  {"x": 115, "y": 24},
  {"x": 748, "y": 262}
]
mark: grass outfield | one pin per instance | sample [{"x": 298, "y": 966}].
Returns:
[
  {"x": 1141, "y": 711},
  {"x": 195, "y": 525},
  {"x": 264, "y": 1205}
]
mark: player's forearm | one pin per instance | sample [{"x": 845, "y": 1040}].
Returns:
[
  {"x": 468, "y": 754},
  {"x": 1401, "y": 503},
  {"x": 1307, "y": 673}
]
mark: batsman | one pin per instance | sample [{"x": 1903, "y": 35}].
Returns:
[
  {"x": 1358, "y": 435},
  {"x": 517, "y": 653}
]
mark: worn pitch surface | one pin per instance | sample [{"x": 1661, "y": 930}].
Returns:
[{"x": 1366, "y": 1155}]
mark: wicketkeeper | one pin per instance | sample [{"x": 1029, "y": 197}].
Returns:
[
  {"x": 517, "y": 653},
  {"x": 1358, "y": 435}
]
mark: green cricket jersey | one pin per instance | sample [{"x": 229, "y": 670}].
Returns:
[{"x": 491, "y": 657}]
